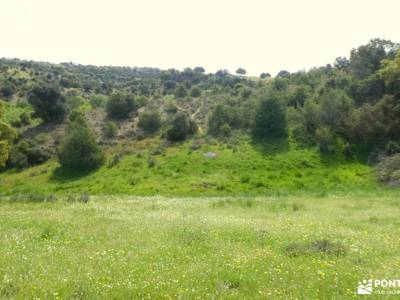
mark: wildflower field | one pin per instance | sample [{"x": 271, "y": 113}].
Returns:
[{"x": 282, "y": 247}]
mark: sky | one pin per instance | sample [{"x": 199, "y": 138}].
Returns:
[{"x": 258, "y": 35}]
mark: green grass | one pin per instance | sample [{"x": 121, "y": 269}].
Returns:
[
  {"x": 238, "y": 169},
  {"x": 197, "y": 248}
]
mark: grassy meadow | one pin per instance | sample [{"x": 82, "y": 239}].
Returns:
[
  {"x": 197, "y": 248},
  {"x": 240, "y": 168}
]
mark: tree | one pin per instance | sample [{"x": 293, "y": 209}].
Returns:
[
  {"x": 4, "y": 153},
  {"x": 390, "y": 73},
  {"x": 341, "y": 63},
  {"x": 222, "y": 73},
  {"x": 283, "y": 74},
  {"x": 366, "y": 59},
  {"x": 150, "y": 121},
  {"x": 7, "y": 136},
  {"x": 325, "y": 140},
  {"x": 335, "y": 107},
  {"x": 299, "y": 96},
  {"x": 119, "y": 106},
  {"x": 265, "y": 75},
  {"x": 79, "y": 150},
  {"x": 219, "y": 117},
  {"x": 270, "y": 118},
  {"x": 199, "y": 69},
  {"x": 7, "y": 89},
  {"x": 241, "y": 71},
  {"x": 375, "y": 125},
  {"x": 195, "y": 92},
  {"x": 180, "y": 91},
  {"x": 181, "y": 127},
  {"x": 48, "y": 103}
]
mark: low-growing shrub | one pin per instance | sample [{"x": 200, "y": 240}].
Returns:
[
  {"x": 110, "y": 129},
  {"x": 79, "y": 150},
  {"x": 98, "y": 101},
  {"x": 181, "y": 126},
  {"x": 119, "y": 105},
  {"x": 150, "y": 122},
  {"x": 388, "y": 170},
  {"x": 325, "y": 247}
]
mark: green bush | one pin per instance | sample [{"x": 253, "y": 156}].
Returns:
[
  {"x": 181, "y": 91},
  {"x": 79, "y": 150},
  {"x": 195, "y": 92},
  {"x": 25, "y": 119},
  {"x": 119, "y": 106},
  {"x": 74, "y": 102},
  {"x": 181, "y": 127},
  {"x": 388, "y": 170},
  {"x": 150, "y": 121},
  {"x": 225, "y": 130},
  {"x": 98, "y": 101},
  {"x": 7, "y": 90},
  {"x": 270, "y": 118},
  {"x": 170, "y": 106},
  {"x": 325, "y": 140},
  {"x": 30, "y": 152},
  {"x": 142, "y": 101},
  {"x": 110, "y": 129},
  {"x": 219, "y": 117},
  {"x": 48, "y": 103},
  {"x": 4, "y": 152}
]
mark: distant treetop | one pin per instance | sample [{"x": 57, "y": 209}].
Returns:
[{"x": 241, "y": 71}]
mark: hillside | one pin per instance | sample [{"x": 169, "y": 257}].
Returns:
[
  {"x": 190, "y": 133},
  {"x": 145, "y": 168}
]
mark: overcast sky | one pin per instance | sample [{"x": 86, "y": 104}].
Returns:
[{"x": 258, "y": 35}]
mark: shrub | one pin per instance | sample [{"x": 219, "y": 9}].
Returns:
[
  {"x": 48, "y": 103},
  {"x": 25, "y": 118},
  {"x": 30, "y": 152},
  {"x": 98, "y": 101},
  {"x": 150, "y": 121},
  {"x": 270, "y": 118},
  {"x": 181, "y": 126},
  {"x": 195, "y": 92},
  {"x": 325, "y": 140},
  {"x": 7, "y": 135},
  {"x": 74, "y": 102},
  {"x": 142, "y": 101},
  {"x": 170, "y": 106},
  {"x": 79, "y": 150},
  {"x": 181, "y": 91},
  {"x": 151, "y": 162},
  {"x": 119, "y": 106},
  {"x": 110, "y": 129},
  {"x": 388, "y": 170},
  {"x": 392, "y": 148},
  {"x": 4, "y": 153},
  {"x": 7, "y": 90},
  {"x": 219, "y": 117},
  {"x": 225, "y": 130}
]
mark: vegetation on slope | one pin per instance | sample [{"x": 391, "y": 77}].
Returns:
[
  {"x": 199, "y": 168},
  {"x": 328, "y": 125}
]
